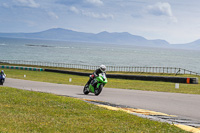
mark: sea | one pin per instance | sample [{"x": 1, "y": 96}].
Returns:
[{"x": 97, "y": 54}]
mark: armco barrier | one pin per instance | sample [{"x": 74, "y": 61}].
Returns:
[
  {"x": 135, "y": 77},
  {"x": 22, "y": 68},
  {"x": 156, "y": 78}
]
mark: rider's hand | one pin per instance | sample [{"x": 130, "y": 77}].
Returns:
[{"x": 95, "y": 75}]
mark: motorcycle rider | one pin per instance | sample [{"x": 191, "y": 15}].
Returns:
[
  {"x": 2, "y": 73},
  {"x": 2, "y": 76},
  {"x": 101, "y": 69}
]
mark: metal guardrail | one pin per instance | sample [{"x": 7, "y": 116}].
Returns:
[
  {"x": 134, "y": 77},
  {"x": 170, "y": 70}
]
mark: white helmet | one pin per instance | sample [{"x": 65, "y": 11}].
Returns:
[{"x": 103, "y": 68}]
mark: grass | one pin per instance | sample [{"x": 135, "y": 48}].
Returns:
[
  {"x": 112, "y": 83},
  {"x": 26, "y": 111}
]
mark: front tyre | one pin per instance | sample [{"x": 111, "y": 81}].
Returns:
[
  {"x": 85, "y": 89},
  {"x": 97, "y": 91},
  {"x": 1, "y": 82}
]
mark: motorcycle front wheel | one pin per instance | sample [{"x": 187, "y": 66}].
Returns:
[
  {"x": 97, "y": 91},
  {"x": 85, "y": 89},
  {"x": 1, "y": 82}
]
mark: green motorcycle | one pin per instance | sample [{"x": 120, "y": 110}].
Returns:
[{"x": 96, "y": 85}]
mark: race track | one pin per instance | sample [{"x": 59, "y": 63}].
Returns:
[{"x": 181, "y": 105}]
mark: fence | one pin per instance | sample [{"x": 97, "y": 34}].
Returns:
[{"x": 170, "y": 70}]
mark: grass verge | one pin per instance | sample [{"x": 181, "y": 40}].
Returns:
[
  {"x": 26, "y": 111},
  {"x": 112, "y": 83}
]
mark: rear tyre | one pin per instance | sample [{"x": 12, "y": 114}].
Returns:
[
  {"x": 97, "y": 91},
  {"x": 85, "y": 89}
]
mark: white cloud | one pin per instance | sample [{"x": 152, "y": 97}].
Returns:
[
  {"x": 5, "y": 5},
  {"x": 161, "y": 9},
  {"x": 74, "y": 9},
  {"x": 81, "y": 3},
  {"x": 97, "y": 15},
  {"x": 95, "y": 2},
  {"x": 28, "y": 3},
  {"x": 91, "y": 14},
  {"x": 52, "y": 14}
]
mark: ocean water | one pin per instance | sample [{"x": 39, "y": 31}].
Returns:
[{"x": 97, "y": 54}]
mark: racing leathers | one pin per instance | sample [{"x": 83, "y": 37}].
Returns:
[{"x": 95, "y": 74}]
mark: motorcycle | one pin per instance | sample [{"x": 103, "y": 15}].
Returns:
[
  {"x": 2, "y": 79},
  {"x": 96, "y": 85}
]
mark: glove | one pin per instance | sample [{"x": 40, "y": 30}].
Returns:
[
  {"x": 95, "y": 75},
  {"x": 92, "y": 76}
]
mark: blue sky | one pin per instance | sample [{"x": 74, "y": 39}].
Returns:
[{"x": 176, "y": 21}]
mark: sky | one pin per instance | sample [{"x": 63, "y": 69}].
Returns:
[{"x": 176, "y": 21}]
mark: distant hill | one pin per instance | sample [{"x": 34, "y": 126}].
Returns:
[
  {"x": 195, "y": 44},
  {"x": 192, "y": 45},
  {"x": 122, "y": 38}
]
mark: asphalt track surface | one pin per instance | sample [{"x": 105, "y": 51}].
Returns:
[{"x": 181, "y": 105}]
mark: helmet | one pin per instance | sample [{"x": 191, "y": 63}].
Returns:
[
  {"x": 2, "y": 71},
  {"x": 103, "y": 68}
]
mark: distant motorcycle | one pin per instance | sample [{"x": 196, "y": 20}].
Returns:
[
  {"x": 2, "y": 79},
  {"x": 96, "y": 85}
]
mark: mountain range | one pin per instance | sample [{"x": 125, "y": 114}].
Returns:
[{"x": 122, "y": 38}]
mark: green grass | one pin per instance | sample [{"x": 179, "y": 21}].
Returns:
[
  {"x": 27, "y": 111},
  {"x": 112, "y": 83}
]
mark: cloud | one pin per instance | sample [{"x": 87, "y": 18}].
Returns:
[
  {"x": 27, "y": 3},
  {"x": 80, "y": 3},
  {"x": 98, "y": 15},
  {"x": 69, "y": 2},
  {"x": 161, "y": 9},
  {"x": 95, "y": 2},
  {"x": 74, "y": 9},
  {"x": 5, "y": 5},
  {"x": 20, "y": 3},
  {"x": 52, "y": 14},
  {"x": 91, "y": 14}
]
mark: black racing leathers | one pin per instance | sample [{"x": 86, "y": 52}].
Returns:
[{"x": 95, "y": 73}]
